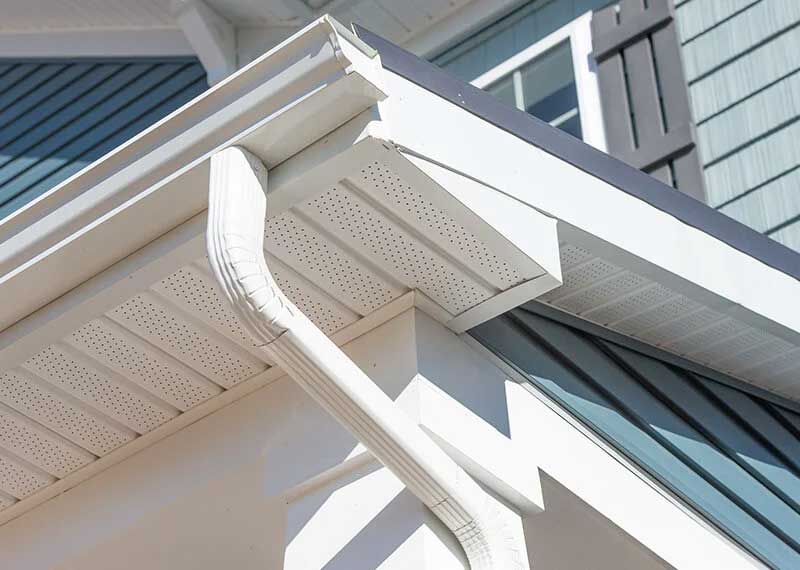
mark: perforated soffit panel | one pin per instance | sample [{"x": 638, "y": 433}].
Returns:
[
  {"x": 341, "y": 255},
  {"x": 604, "y": 293}
]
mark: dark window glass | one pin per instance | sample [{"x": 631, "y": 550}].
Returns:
[
  {"x": 504, "y": 90},
  {"x": 545, "y": 88}
]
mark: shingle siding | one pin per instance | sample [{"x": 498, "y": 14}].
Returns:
[
  {"x": 56, "y": 117},
  {"x": 743, "y": 67},
  {"x": 731, "y": 455}
]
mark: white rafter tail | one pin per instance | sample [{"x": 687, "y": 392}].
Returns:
[
  {"x": 237, "y": 210},
  {"x": 212, "y": 37},
  {"x": 290, "y": 12}
]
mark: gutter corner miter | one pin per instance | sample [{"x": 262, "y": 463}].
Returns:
[{"x": 235, "y": 239}]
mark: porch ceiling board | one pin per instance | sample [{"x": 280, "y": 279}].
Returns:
[
  {"x": 399, "y": 21},
  {"x": 83, "y": 14}
]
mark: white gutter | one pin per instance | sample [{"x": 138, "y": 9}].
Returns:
[
  {"x": 303, "y": 89},
  {"x": 235, "y": 240}
]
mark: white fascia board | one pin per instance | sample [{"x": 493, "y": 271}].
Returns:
[
  {"x": 673, "y": 253},
  {"x": 90, "y": 43},
  {"x": 480, "y": 448},
  {"x": 304, "y": 88}
]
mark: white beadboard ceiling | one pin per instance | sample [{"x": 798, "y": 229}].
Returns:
[
  {"x": 44, "y": 15},
  {"x": 394, "y": 20}
]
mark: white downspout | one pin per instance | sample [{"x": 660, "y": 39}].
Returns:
[{"x": 235, "y": 241}]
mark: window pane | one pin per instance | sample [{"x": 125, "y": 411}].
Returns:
[
  {"x": 503, "y": 90},
  {"x": 547, "y": 86},
  {"x": 549, "y": 91}
]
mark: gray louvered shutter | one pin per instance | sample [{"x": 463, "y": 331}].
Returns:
[{"x": 643, "y": 91}]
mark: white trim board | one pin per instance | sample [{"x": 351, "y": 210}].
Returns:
[{"x": 94, "y": 43}]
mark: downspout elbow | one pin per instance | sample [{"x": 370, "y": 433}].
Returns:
[
  {"x": 235, "y": 244},
  {"x": 235, "y": 240}
]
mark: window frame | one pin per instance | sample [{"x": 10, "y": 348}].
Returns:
[{"x": 579, "y": 35}]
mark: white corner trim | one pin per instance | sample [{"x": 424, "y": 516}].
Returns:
[
  {"x": 211, "y": 36},
  {"x": 237, "y": 210},
  {"x": 592, "y": 127},
  {"x": 488, "y": 456}
]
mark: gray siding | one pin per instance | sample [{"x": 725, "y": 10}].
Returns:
[
  {"x": 742, "y": 63},
  {"x": 56, "y": 117},
  {"x": 730, "y": 454}
]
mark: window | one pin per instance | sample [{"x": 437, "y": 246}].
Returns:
[
  {"x": 545, "y": 88},
  {"x": 554, "y": 80}
]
